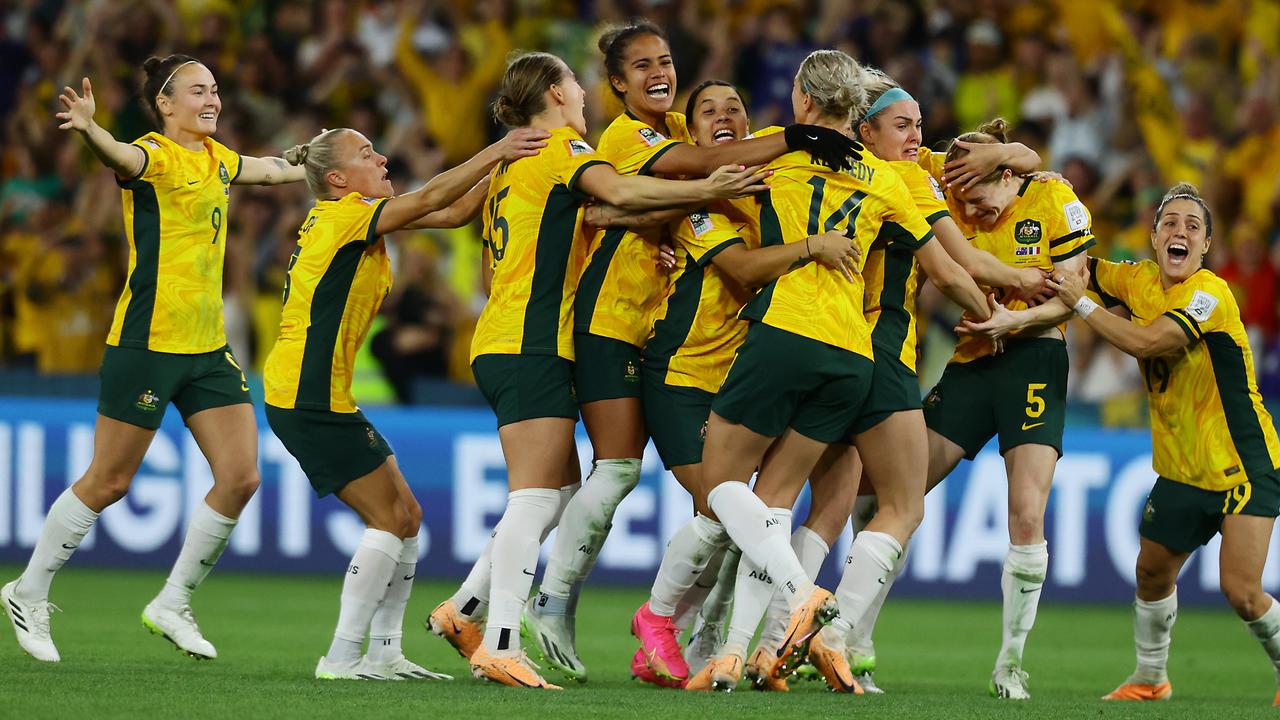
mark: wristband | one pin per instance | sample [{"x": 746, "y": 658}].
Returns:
[{"x": 1084, "y": 306}]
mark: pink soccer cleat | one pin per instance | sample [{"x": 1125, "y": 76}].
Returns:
[
  {"x": 662, "y": 651},
  {"x": 640, "y": 671}
]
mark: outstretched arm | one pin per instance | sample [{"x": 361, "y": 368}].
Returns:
[
  {"x": 640, "y": 192},
  {"x": 127, "y": 161},
  {"x": 462, "y": 211},
  {"x": 1162, "y": 336}
]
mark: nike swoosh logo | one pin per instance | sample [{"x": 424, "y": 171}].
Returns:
[
  {"x": 880, "y": 580},
  {"x": 244, "y": 388},
  {"x": 196, "y": 182},
  {"x": 206, "y": 563},
  {"x": 66, "y": 546},
  {"x": 1025, "y": 591},
  {"x": 526, "y": 572},
  {"x": 812, "y": 137},
  {"x": 408, "y": 577},
  {"x": 1028, "y": 426}
]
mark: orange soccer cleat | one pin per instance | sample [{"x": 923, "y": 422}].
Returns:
[
  {"x": 831, "y": 659},
  {"x": 515, "y": 671},
  {"x": 722, "y": 674},
  {"x": 1144, "y": 691},
  {"x": 806, "y": 621},
  {"x": 759, "y": 671},
  {"x": 463, "y": 634}
]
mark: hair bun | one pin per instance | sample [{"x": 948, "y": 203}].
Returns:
[{"x": 297, "y": 155}]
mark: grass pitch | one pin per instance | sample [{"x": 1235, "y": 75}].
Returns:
[{"x": 935, "y": 659}]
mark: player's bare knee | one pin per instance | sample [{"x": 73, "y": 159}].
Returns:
[
  {"x": 100, "y": 488},
  {"x": 1026, "y": 528},
  {"x": 1154, "y": 579},
  {"x": 240, "y": 485},
  {"x": 1245, "y": 596},
  {"x": 412, "y": 520}
]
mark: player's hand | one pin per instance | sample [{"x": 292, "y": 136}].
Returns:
[
  {"x": 1000, "y": 324},
  {"x": 1032, "y": 287},
  {"x": 79, "y": 108},
  {"x": 835, "y": 250},
  {"x": 522, "y": 142},
  {"x": 596, "y": 215},
  {"x": 666, "y": 257},
  {"x": 1070, "y": 286},
  {"x": 1045, "y": 176},
  {"x": 981, "y": 160},
  {"x": 829, "y": 147},
  {"x": 732, "y": 181}
]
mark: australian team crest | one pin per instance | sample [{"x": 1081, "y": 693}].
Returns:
[
  {"x": 632, "y": 372},
  {"x": 223, "y": 175},
  {"x": 1027, "y": 232},
  {"x": 147, "y": 401}
]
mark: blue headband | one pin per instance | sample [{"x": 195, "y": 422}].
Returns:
[{"x": 890, "y": 96}]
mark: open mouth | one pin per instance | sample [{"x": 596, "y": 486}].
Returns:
[
  {"x": 1178, "y": 252},
  {"x": 659, "y": 91},
  {"x": 209, "y": 116},
  {"x": 724, "y": 135}
]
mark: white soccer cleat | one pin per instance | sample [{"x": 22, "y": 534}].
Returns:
[
  {"x": 1009, "y": 683},
  {"x": 551, "y": 637},
  {"x": 702, "y": 646},
  {"x": 179, "y": 627},
  {"x": 868, "y": 682},
  {"x": 30, "y": 622},
  {"x": 360, "y": 669},
  {"x": 399, "y": 668}
]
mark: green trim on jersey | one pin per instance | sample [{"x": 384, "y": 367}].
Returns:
[
  {"x": 935, "y": 217},
  {"x": 1072, "y": 253},
  {"x": 135, "y": 331},
  {"x": 648, "y": 164},
  {"x": 890, "y": 331},
  {"x": 592, "y": 280},
  {"x": 327, "y": 308},
  {"x": 551, "y": 261},
  {"x": 671, "y": 331},
  {"x": 1182, "y": 319},
  {"x": 1243, "y": 422},
  {"x": 770, "y": 235}
]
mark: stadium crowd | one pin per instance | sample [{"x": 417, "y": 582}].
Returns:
[{"x": 1122, "y": 97}]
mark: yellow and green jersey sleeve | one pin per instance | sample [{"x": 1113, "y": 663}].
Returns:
[
  {"x": 1209, "y": 428},
  {"x": 621, "y": 286},
  {"x": 175, "y": 218},
  {"x": 698, "y": 332},
  {"x": 537, "y": 246},
  {"x": 338, "y": 276}
]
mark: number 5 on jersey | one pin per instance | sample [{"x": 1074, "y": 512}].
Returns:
[
  {"x": 498, "y": 228},
  {"x": 1035, "y": 404}
]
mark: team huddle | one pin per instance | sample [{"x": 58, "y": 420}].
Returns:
[{"x": 744, "y": 299}]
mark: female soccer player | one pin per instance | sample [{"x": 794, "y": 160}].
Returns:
[
  {"x": 337, "y": 279},
  {"x": 166, "y": 345},
  {"x": 618, "y": 293},
  {"x": 719, "y": 265},
  {"x": 892, "y": 422},
  {"x": 1215, "y": 446},
  {"x": 1020, "y": 394},
  {"x": 522, "y": 352},
  {"x": 884, "y": 420}
]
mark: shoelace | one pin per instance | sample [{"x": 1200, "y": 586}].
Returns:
[
  {"x": 186, "y": 613},
  {"x": 40, "y": 618}
]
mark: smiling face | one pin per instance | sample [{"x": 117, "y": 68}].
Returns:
[
  {"x": 193, "y": 105},
  {"x": 363, "y": 170},
  {"x": 982, "y": 204},
  {"x": 648, "y": 81},
  {"x": 894, "y": 132},
  {"x": 1179, "y": 239},
  {"x": 718, "y": 117}
]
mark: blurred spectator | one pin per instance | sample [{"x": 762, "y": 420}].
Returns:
[{"x": 415, "y": 340}]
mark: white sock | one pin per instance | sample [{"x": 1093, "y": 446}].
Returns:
[
  {"x": 753, "y": 594},
  {"x": 365, "y": 584},
  {"x": 690, "y": 606},
  {"x": 472, "y": 596},
  {"x": 812, "y": 551},
  {"x": 68, "y": 521},
  {"x": 1024, "y": 571},
  {"x": 860, "y": 638},
  {"x": 387, "y": 626},
  {"x": 206, "y": 539},
  {"x": 515, "y": 561},
  {"x": 870, "y": 563},
  {"x": 1152, "y": 634},
  {"x": 715, "y": 608},
  {"x": 585, "y": 524},
  {"x": 762, "y": 538},
  {"x": 1267, "y": 630},
  {"x": 683, "y": 561}
]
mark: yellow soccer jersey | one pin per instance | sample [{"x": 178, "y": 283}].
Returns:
[
  {"x": 891, "y": 272},
  {"x": 931, "y": 162},
  {"x": 1209, "y": 428},
  {"x": 621, "y": 284},
  {"x": 1045, "y": 224},
  {"x": 807, "y": 199},
  {"x": 338, "y": 277},
  {"x": 175, "y": 217},
  {"x": 695, "y": 338},
  {"x": 533, "y": 229}
]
